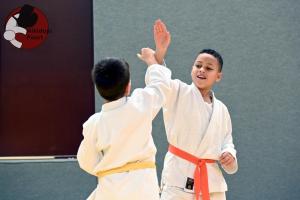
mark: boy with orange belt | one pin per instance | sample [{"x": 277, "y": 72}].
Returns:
[{"x": 198, "y": 128}]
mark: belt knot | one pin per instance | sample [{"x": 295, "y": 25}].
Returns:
[{"x": 201, "y": 163}]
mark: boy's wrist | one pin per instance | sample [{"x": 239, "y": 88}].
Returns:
[
  {"x": 160, "y": 55},
  {"x": 151, "y": 63},
  {"x": 161, "y": 51}
]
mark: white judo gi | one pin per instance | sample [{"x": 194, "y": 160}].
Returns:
[
  {"x": 192, "y": 128},
  {"x": 121, "y": 134}
]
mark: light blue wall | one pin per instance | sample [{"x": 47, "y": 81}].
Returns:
[
  {"x": 44, "y": 180},
  {"x": 260, "y": 43}
]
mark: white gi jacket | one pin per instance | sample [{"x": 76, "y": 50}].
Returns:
[
  {"x": 121, "y": 132},
  {"x": 189, "y": 127}
]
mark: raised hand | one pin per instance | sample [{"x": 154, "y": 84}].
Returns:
[
  {"x": 162, "y": 39},
  {"x": 147, "y": 55}
]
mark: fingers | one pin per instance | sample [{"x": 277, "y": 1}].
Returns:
[
  {"x": 160, "y": 27},
  {"x": 226, "y": 159},
  {"x": 141, "y": 55},
  {"x": 162, "y": 36},
  {"x": 168, "y": 36},
  {"x": 157, "y": 29},
  {"x": 148, "y": 56},
  {"x": 163, "y": 27},
  {"x": 145, "y": 52}
]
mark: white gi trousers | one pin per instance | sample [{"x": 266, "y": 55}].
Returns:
[
  {"x": 176, "y": 193},
  {"x": 132, "y": 185}
]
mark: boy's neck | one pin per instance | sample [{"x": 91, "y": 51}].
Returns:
[
  {"x": 206, "y": 94},
  {"x": 107, "y": 101}
]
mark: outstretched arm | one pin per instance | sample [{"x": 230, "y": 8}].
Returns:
[
  {"x": 157, "y": 80},
  {"x": 162, "y": 39}
]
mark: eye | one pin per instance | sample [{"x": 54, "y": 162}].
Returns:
[
  {"x": 198, "y": 66},
  {"x": 209, "y": 69}
]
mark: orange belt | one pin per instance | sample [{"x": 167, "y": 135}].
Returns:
[{"x": 200, "y": 174}]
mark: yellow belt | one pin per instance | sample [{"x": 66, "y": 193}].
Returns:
[{"x": 127, "y": 167}]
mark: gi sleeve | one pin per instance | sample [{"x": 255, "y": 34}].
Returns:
[
  {"x": 155, "y": 93},
  {"x": 88, "y": 155},
  {"x": 228, "y": 146}
]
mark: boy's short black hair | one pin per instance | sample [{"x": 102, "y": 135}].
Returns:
[
  {"x": 215, "y": 54},
  {"x": 111, "y": 77}
]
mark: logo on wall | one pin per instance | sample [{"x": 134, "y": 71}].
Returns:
[{"x": 26, "y": 27}]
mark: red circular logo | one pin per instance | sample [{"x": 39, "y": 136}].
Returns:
[{"x": 26, "y": 27}]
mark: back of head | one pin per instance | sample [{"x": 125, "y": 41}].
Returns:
[
  {"x": 111, "y": 77},
  {"x": 215, "y": 54}
]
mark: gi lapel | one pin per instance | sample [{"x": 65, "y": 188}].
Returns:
[{"x": 213, "y": 123}]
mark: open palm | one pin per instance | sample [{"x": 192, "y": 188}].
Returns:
[{"x": 162, "y": 37}]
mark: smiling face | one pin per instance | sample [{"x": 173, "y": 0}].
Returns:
[{"x": 206, "y": 71}]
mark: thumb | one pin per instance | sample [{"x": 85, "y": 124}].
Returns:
[
  {"x": 139, "y": 56},
  {"x": 223, "y": 155}
]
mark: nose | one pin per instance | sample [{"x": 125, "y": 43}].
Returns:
[{"x": 202, "y": 70}]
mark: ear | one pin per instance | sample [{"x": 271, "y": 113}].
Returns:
[
  {"x": 192, "y": 69},
  {"x": 128, "y": 88},
  {"x": 219, "y": 76}
]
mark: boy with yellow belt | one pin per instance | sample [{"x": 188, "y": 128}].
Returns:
[{"x": 118, "y": 146}]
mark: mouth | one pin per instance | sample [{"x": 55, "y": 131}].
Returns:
[{"x": 201, "y": 77}]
